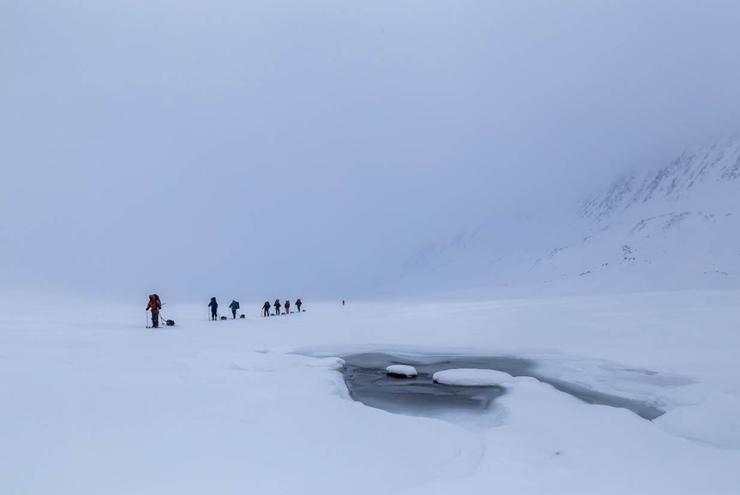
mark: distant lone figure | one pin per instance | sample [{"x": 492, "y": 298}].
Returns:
[
  {"x": 214, "y": 309},
  {"x": 266, "y": 309},
  {"x": 233, "y": 307},
  {"x": 277, "y": 306},
  {"x": 154, "y": 306},
  {"x": 343, "y": 302},
  {"x": 298, "y": 304},
  {"x": 287, "y": 306}
]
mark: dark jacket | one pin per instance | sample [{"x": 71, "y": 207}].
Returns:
[
  {"x": 213, "y": 304},
  {"x": 154, "y": 304}
]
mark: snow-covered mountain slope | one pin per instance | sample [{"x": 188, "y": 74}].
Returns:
[{"x": 676, "y": 226}]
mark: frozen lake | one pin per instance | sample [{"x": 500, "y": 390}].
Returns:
[{"x": 368, "y": 382}]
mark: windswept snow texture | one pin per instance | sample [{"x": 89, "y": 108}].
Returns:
[
  {"x": 98, "y": 404},
  {"x": 666, "y": 227}
]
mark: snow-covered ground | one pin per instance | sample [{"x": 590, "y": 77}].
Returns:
[{"x": 94, "y": 403}]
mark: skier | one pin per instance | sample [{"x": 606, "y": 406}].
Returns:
[
  {"x": 214, "y": 309},
  {"x": 266, "y": 309},
  {"x": 277, "y": 307},
  {"x": 154, "y": 306},
  {"x": 233, "y": 307},
  {"x": 298, "y": 304},
  {"x": 287, "y": 306}
]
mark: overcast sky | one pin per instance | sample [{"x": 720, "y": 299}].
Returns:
[{"x": 268, "y": 149}]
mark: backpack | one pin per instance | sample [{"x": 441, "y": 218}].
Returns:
[{"x": 154, "y": 303}]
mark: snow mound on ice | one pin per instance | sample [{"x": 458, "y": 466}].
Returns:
[
  {"x": 401, "y": 370},
  {"x": 470, "y": 377}
]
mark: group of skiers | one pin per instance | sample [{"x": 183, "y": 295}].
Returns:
[
  {"x": 234, "y": 306},
  {"x": 155, "y": 307},
  {"x": 277, "y": 305}
]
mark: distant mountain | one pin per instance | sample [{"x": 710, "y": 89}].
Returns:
[
  {"x": 696, "y": 171},
  {"x": 672, "y": 227}
]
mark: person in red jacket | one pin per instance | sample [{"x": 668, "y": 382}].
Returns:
[{"x": 154, "y": 306}]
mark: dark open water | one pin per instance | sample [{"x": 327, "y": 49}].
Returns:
[{"x": 368, "y": 383}]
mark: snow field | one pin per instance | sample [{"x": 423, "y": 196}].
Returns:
[{"x": 102, "y": 405}]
